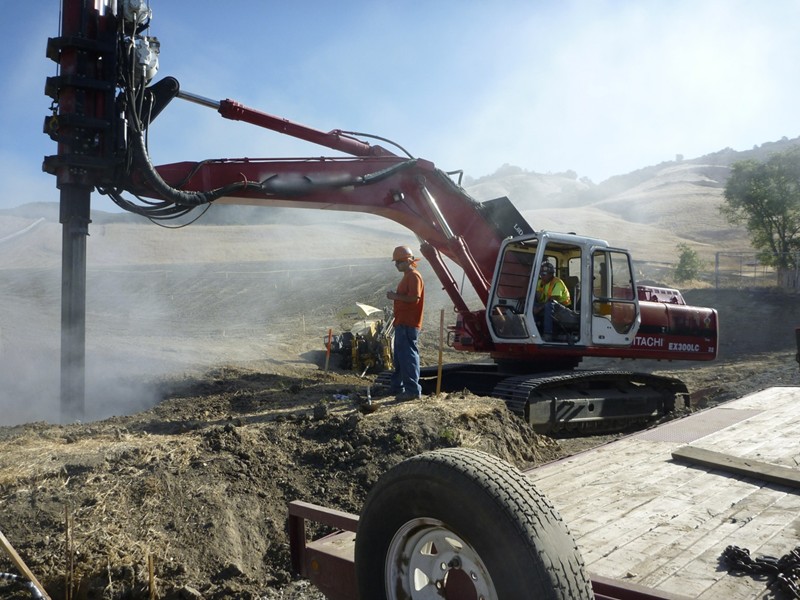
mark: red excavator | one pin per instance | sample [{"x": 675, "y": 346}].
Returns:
[{"x": 104, "y": 104}]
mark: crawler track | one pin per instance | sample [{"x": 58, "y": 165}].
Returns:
[
  {"x": 566, "y": 401},
  {"x": 590, "y": 401}
]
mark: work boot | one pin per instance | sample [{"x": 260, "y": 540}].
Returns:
[
  {"x": 405, "y": 396},
  {"x": 382, "y": 391}
]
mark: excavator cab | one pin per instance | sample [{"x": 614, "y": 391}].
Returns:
[{"x": 603, "y": 308}]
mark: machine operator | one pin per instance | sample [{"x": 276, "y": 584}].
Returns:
[{"x": 549, "y": 289}]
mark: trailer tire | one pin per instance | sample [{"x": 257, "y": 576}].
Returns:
[{"x": 460, "y": 523}]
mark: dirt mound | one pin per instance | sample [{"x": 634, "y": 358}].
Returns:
[{"x": 200, "y": 483}]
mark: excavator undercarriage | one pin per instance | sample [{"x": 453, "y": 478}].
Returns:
[{"x": 579, "y": 401}]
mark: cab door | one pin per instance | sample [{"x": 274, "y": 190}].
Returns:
[{"x": 615, "y": 313}]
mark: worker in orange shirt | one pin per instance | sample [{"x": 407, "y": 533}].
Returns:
[{"x": 409, "y": 301}]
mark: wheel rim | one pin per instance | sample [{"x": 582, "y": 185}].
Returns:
[{"x": 426, "y": 560}]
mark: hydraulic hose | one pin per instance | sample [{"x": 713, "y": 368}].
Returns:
[
  {"x": 278, "y": 185},
  {"x": 142, "y": 160},
  {"x": 299, "y": 185},
  {"x": 36, "y": 593}
]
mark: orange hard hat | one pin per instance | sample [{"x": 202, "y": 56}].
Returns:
[{"x": 401, "y": 253}]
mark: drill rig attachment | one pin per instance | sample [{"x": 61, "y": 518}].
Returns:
[{"x": 366, "y": 344}]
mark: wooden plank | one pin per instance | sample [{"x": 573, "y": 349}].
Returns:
[
  {"x": 676, "y": 521},
  {"x": 592, "y": 480},
  {"x": 673, "y": 540},
  {"x": 703, "y": 571},
  {"x": 741, "y": 466},
  {"x": 640, "y": 515},
  {"x": 739, "y": 524},
  {"x": 769, "y": 430},
  {"x": 20, "y": 564},
  {"x": 769, "y": 399},
  {"x": 756, "y": 526}
]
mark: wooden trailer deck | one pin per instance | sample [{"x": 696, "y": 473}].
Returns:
[
  {"x": 651, "y": 512},
  {"x": 645, "y": 510}
]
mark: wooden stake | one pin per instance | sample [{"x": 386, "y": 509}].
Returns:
[
  {"x": 70, "y": 571},
  {"x": 441, "y": 345},
  {"x": 151, "y": 570},
  {"x": 328, "y": 350}
]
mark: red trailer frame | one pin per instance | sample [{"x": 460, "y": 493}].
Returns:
[{"x": 328, "y": 562}]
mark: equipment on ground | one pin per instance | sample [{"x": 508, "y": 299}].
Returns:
[
  {"x": 366, "y": 345},
  {"x": 103, "y": 143}
]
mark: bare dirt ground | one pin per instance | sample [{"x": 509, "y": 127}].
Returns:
[{"x": 236, "y": 416}]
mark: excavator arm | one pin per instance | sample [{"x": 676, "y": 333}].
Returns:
[{"x": 410, "y": 191}]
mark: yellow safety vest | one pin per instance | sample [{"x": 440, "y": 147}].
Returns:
[{"x": 555, "y": 290}]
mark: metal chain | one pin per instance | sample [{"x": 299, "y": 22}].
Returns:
[{"x": 783, "y": 572}]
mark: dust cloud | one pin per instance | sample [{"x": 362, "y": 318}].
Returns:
[
  {"x": 120, "y": 368},
  {"x": 175, "y": 303}
]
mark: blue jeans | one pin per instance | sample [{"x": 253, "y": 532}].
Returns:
[
  {"x": 547, "y": 317},
  {"x": 406, "y": 361}
]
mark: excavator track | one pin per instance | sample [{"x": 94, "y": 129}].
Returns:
[
  {"x": 590, "y": 401},
  {"x": 565, "y": 401}
]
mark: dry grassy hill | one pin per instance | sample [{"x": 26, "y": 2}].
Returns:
[{"x": 678, "y": 203}]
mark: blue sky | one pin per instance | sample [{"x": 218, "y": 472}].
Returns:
[{"x": 600, "y": 87}]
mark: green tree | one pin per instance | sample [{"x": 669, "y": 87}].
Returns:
[
  {"x": 689, "y": 263},
  {"x": 765, "y": 197}
]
